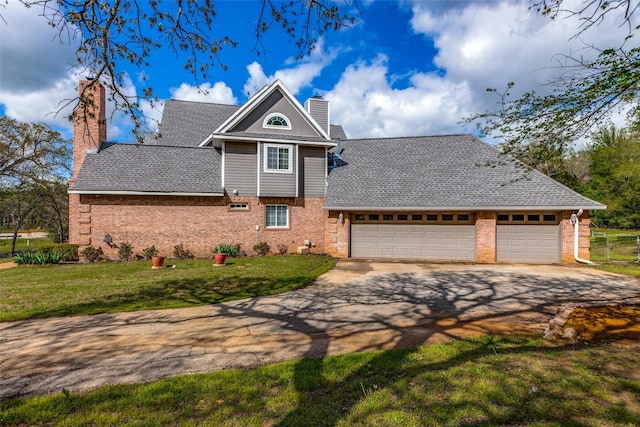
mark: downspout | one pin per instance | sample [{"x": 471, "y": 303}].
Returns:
[{"x": 576, "y": 221}]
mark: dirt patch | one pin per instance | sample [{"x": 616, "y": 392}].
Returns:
[{"x": 605, "y": 323}]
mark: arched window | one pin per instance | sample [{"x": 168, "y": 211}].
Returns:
[{"x": 276, "y": 121}]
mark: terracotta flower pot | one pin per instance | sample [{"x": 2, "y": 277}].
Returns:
[
  {"x": 220, "y": 258},
  {"x": 157, "y": 261}
]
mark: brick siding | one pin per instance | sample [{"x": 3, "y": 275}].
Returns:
[{"x": 199, "y": 223}]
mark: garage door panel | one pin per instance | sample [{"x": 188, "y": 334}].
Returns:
[
  {"x": 435, "y": 242},
  {"x": 528, "y": 243}
]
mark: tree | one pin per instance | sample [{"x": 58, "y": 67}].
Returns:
[
  {"x": 111, "y": 33},
  {"x": 31, "y": 153},
  {"x": 584, "y": 96},
  {"x": 615, "y": 176},
  {"x": 34, "y": 163}
]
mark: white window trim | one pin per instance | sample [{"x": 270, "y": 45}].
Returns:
[
  {"x": 266, "y": 119},
  {"x": 272, "y": 227},
  {"x": 265, "y": 160}
]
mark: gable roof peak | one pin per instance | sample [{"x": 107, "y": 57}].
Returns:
[{"x": 259, "y": 97}]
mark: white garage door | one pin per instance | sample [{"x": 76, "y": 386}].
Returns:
[
  {"x": 417, "y": 241},
  {"x": 528, "y": 243}
]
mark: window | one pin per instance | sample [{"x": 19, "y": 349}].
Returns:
[
  {"x": 549, "y": 218},
  {"x": 533, "y": 218},
  {"x": 374, "y": 217},
  {"x": 403, "y": 217},
  {"x": 517, "y": 217},
  {"x": 502, "y": 217},
  {"x": 447, "y": 217},
  {"x": 432, "y": 217},
  {"x": 360, "y": 217},
  {"x": 463, "y": 217},
  {"x": 387, "y": 217},
  {"x": 277, "y": 216},
  {"x": 416, "y": 217},
  {"x": 238, "y": 206},
  {"x": 276, "y": 121},
  {"x": 277, "y": 158}
]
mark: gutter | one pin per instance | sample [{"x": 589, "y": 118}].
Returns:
[
  {"x": 576, "y": 221},
  {"x": 143, "y": 193}
]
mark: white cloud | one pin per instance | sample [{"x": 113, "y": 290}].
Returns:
[
  {"x": 479, "y": 45},
  {"x": 430, "y": 105},
  {"x": 218, "y": 93},
  {"x": 35, "y": 68},
  {"x": 299, "y": 76}
]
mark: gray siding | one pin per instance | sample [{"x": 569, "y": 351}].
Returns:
[
  {"x": 312, "y": 164},
  {"x": 275, "y": 103},
  {"x": 278, "y": 184},
  {"x": 240, "y": 168},
  {"x": 318, "y": 108}
]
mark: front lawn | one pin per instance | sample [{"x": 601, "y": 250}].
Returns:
[
  {"x": 501, "y": 381},
  {"x": 64, "y": 290}
]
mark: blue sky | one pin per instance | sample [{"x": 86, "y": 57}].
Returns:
[{"x": 404, "y": 68}]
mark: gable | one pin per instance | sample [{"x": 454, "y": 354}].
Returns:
[
  {"x": 259, "y": 105},
  {"x": 276, "y": 102}
]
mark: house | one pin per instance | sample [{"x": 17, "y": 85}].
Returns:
[{"x": 277, "y": 171}]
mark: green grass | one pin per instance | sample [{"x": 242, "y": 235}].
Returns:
[
  {"x": 22, "y": 245},
  {"x": 64, "y": 290},
  {"x": 502, "y": 381},
  {"x": 629, "y": 269}
]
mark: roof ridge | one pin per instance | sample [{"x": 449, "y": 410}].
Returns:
[{"x": 411, "y": 137}]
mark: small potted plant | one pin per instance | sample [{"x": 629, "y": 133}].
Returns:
[
  {"x": 221, "y": 252},
  {"x": 219, "y": 255},
  {"x": 157, "y": 261},
  {"x": 151, "y": 253}
]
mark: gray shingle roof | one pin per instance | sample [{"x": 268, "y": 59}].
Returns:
[
  {"x": 151, "y": 168},
  {"x": 439, "y": 172},
  {"x": 188, "y": 123},
  {"x": 337, "y": 132}
]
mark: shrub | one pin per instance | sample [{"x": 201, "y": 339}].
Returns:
[
  {"x": 39, "y": 258},
  {"x": 261, "y": 248},
  {"x": 93, "y": 254},
  {"x": 149, "y": 252},
  {"x": 180, "y": 252},
  {"x": 125, "y": 250},
  {"x": 283, "y": 249},
  {"x": 229, "y": 249},
  {"x": 69, "y": 250}
]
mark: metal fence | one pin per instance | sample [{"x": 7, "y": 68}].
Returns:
[{"x": 615, "y": 247}]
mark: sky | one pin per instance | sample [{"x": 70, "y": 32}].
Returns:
[{"x": 410, "y": 67}]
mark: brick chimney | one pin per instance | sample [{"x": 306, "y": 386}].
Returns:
[{"x": 89, "y": 122}]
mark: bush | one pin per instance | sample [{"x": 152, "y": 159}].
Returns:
[
  {"x": 261, "y": 248},
  {"x": 39, "y": 258},
  {"x": 149, "y": 252},
  {"x": 229, "y": 249},
  {"x": 125, "y": 250},
  {"x": 69, "y": 250},
  {"x": 180, "y": 252},
  {"x": 93, "y": 254}
]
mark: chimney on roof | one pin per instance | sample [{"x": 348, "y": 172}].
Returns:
[
  {"x": 318, "y": 108},
  {"x": 89, "y": 122}
]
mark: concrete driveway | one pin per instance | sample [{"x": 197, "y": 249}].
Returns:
[{"x": 358, "y": 306}]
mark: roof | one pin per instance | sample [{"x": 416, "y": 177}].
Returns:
[
  {"x": 440, "y": 173},
  {"x": 142, "y": 169},
  {"x": 188, "y": 123}
]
